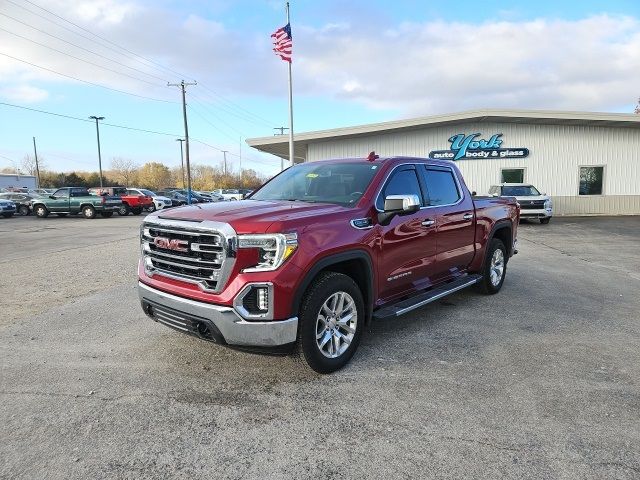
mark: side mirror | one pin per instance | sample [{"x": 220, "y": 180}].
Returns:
[
  {"x": 52, "y": 197},
  {"x": 398, "y": 205}
]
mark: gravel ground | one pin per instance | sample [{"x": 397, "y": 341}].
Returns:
[{"x": 539, "y": 381}]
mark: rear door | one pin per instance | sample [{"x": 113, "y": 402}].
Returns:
[
  {"x": 451, "y": 206},
  {"x": 408, "y": 245}
]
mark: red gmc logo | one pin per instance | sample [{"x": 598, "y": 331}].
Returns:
[{"x": 171, "y": 244}]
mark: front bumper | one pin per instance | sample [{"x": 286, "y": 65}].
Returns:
[
  {"x": 542, "y": 213},
  {"x": 216, "y": 323}
]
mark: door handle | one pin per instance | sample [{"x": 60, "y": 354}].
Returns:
[
  {"x": 428, "y": 223},
  {"x": 467, "y": 216}
]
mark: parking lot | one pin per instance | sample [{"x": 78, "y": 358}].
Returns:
[{"x": 539, "y": 381}]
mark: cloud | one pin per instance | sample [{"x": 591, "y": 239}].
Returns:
[
  {"x": 24, "y": 94},
  {"x": 411, "y": 68}
]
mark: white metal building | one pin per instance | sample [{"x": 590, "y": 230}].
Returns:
[
  {"x": 588, "y": 162},
  {"x": 10, "y": 180}
]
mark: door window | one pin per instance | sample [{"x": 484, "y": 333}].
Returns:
[
  {"x": 591, "y": 180},
  {"x": 512, "y": 175},
  {"x": 62, "y": 193},
  {"x": 441, "y": 186},
  {"x": 402, "y": 182}
]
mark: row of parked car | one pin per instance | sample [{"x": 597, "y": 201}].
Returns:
[{"x": 105, "y": 201}]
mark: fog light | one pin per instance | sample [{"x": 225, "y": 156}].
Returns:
[{"x": 263, "y": 299}]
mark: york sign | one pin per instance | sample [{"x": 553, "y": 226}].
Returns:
[{"x": 472, "y": 146}]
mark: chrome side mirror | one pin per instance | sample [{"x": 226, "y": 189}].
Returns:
[{"x": 398, "y": 205}]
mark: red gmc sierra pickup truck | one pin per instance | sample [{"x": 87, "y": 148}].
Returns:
[{"x": 319, "y": 251}]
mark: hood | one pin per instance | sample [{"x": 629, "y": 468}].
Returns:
[
  {"x": 253, "y": 216},
  {"x": 531, "y": 197}
]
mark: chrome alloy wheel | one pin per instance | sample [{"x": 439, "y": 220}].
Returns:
[
  {"x": 497, "y": 267},
  {"x": 336, "y": 324}
]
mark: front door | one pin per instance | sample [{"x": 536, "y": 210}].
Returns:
[
  {"x": 408, "y": 243},
  {"x": 61, "y": 202},
  {"x": 453, "y": 212}
]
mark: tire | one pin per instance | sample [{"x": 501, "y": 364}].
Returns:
[
  {"x": 23, "y": 210},
  {"x": 545, "y": 221},
  {"x": 88, "y": 212},
  {"x": 7, "y": 215},
  {"x": 106, "y": 214},
  {"x": 123, "y": 210},
  {"x": 136, "y": 210},
  {"x": 322, "y": 297},
  {"x": 152, "y": 208},
  {"x": 41, "y": 211},
  {"x": 494, "y": 269}
]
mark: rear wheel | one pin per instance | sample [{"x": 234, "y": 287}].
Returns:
[
  {"x": 331, "y": 322},
  {"x": 123, "y": 211},
  {"x": 136, "y": 210},
  {"x": 41, "y": 211},
  {"x": 23, "y": 210},
  {"x": 494, "y": 269},
  {"x": 88, "y": 212},
  {"x": 106, "y": 214}
]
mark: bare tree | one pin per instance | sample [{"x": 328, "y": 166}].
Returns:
[
  {"x": 126, "y": 169},
  {"x": 28, "y": 165},
  {"x": 637, "y": 110}
]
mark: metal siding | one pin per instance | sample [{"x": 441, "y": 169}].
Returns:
[{"x": 556, "y": 152}]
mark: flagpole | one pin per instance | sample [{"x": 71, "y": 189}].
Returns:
[{"x": 291, "y": 155}]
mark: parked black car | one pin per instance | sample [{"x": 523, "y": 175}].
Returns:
[
  {"x": 195, "y": 197},
  {"x": 177, "y": 198},
  {"x": 23, "y": 201}
]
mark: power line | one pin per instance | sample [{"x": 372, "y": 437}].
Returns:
[
  {"x": 77, "y": 58},
  {"x": 98, "y": 36},
  {"x": 228, "y": 111},
  {"x": 85, "y": 81},
  {"x": 76, "y": 45},
  {"x": 239, "y": 107}
]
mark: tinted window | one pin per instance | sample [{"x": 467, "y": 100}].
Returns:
[
  {"x": 402, "y": 182},
  {"x": 441, "y": 187},
  {"x": 512, "y": 175},
  {"x": 63, "y": 192},
  {"x": 591, "y": 180},
  {"x": 79, "y": 192}
]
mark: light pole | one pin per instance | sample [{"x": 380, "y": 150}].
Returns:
[
  {"x": 182, "y": 160},
  {"x": 97, "y": 119}
]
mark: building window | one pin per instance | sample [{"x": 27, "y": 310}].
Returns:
[
  {"x": 512, "y": 175},
  {"x": 591, "y": 180}
]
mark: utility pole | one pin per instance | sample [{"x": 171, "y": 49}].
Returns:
[
  {"x": 240, "y": 161},
  {"x": 281, "y": 129},
  {"x": 224, "y": 152},
  {"x": 35, "y": 153},
  {"x": 182, "y": 160},
  {"x": 182, "y": 85},
  {"x": 93, "y": 117}
]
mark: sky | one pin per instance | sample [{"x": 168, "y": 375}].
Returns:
[{"x": 354, "y": 62}]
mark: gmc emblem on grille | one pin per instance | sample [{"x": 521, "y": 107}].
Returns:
[{"x": 171, "y": 244}]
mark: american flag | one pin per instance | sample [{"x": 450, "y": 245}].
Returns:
[{"x": 282, "y": 42}]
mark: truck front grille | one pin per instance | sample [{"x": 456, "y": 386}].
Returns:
[
  {"x": 531, "y": 204},
  {"x": 196, "y": 255}
]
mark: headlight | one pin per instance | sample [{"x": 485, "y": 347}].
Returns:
[
  {"x": 548, "y": 203},
  {"x": 273, "y": 248}
]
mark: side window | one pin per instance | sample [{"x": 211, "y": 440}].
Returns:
[
  {"x": 61, "y": 193},
  {"x": 402, "y": 182},
  {"x": 441, "y": 186}
]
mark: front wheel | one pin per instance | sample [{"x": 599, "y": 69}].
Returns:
[
  {"x": 331, "y": 322},
  {"x": 89, "y": 212},
  {"x": 41, "y": 211},
  {"x": 545, "y": 221},
  {"x": 152, "y": 208},
  {"x": 494, "y": 269}
]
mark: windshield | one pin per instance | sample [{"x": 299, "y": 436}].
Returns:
[
  {"x": 339, "y": 183},
  {"x": 148, "y": 193},
  {"x": 520, "y": 191}
]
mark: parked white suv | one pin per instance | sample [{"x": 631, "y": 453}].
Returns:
[
  {"x": 229, "y": 193},
  {"x": 533, "y": 204},
  {"x": 159, "y": 202}
]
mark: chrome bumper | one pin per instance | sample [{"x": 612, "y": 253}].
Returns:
[{"x": 216, "y": 323}]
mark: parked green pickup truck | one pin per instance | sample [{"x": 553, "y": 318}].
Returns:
[{"x": 73, "y": 200}]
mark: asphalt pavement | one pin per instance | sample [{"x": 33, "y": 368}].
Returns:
[{"x": 539, "y": 381}]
